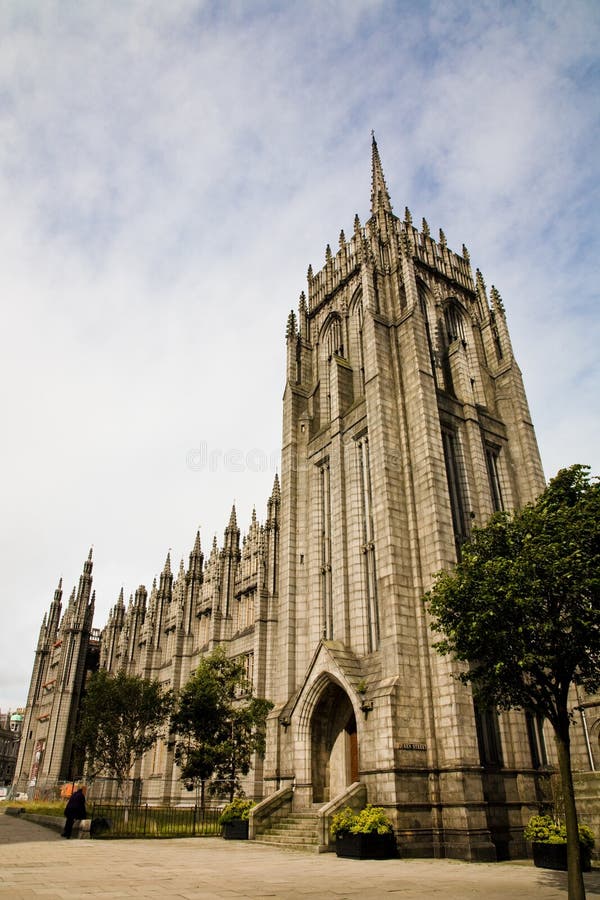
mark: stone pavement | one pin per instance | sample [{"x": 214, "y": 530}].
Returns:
[{"x": 36, "y": 862}]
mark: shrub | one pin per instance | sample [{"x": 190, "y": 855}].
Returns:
[
  {"x": 370, "y": 820},
  {"x": 342, "y": 822},
  {"x": 237, "y": 809},
  {"x": 545, "y": 830}
]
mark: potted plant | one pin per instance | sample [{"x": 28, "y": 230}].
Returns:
[
  {"x": 368, "y": 834},
  {"x": 234, "y": 819},
  {"x": 549, "y": 843}
]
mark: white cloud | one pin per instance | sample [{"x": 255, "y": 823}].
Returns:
[{"x": 167, "y": 172}]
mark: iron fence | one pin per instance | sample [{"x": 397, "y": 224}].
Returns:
[{"x": 111, "y": 821}]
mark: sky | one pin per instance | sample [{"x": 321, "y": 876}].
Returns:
[{"x": 167, "y": 173}]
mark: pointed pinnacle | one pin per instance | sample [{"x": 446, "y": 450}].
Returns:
[
  {"x": 197, "y": 546},
  {"x": 442, "y": 239},
  {"x": 497, "y": 300},
  {"x": 480, "y": 282},
  {"x": 407, "y": 216},
  {"x": 290, "y": 330},
  {"x": 232, "y": 518},
  {"x": 167, "y": 568},
  {"x": 380, "y": 199}
]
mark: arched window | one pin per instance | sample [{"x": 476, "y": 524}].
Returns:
[
  {"x": 423, "y": 306},
  {"x": 455, "y": 326},
  {"x": 331, "y": 345},
  {"x": 356, "y": 352},
  {"x": 456, "y": 487},
  {"x": 335, "y": 340}
]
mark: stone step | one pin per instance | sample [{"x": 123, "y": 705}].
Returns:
[
  {"x": 303, "y": 824},
  {"x": 307, "y": 836},
  {"x": 312, "y": 848},
  {"x": 283, "y": 833},
  {"x": 288, "y": 838},
  {"x": 298, "y": 830}
]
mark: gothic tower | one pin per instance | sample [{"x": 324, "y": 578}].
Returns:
[
  {"x": 405, "y": 422},
  {"x": 67, "y": 651}
]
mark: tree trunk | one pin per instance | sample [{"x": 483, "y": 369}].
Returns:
[{"x": 563, "y": 746}]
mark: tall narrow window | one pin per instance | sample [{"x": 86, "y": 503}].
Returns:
[
  {"x": 537, "y": 743},
  {"x": 488, "y": 736},
  {"x": 456, "y": 489},
  {"x": 361, "y": 348},
  {"x": 335, "y": 343},
  {"x": 491, "y": 459},
  {"x": 423, "y": 304},
  {"x": 455, "y": 327},
  {"x": 325, "y": 512},
  {"x": 368, "y": 545}
]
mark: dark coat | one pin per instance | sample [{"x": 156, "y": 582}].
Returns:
[{"x": 75, "y": 808}]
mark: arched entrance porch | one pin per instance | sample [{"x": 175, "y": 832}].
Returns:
[{"x": 334, "y": 744}]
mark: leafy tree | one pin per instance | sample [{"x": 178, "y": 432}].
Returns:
[
  {"x": 122, "y": 717},
  {"x": 522, "y": 609},
  {"x": 218, "y": 723}
]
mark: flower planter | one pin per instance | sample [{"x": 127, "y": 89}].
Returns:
[
  {"x": 236, "y": 830},
  {"x": 554, "y": 856},
  {"x": 366, "y": 846}
]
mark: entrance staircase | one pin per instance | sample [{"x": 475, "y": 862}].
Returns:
[{"x": 298, "y": 831}]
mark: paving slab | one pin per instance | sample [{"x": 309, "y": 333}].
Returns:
[{"x": 37, "y": 863}]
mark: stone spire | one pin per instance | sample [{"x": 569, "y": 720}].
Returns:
[
  {"x": 380, "y": 199},
  {"x": 232, "y": 532},
  {"x": 165, "y": 583},
  {"x": 85, "y": 588},
  {"x": 196, "y": 559},
  {"x": 291, "y": 328},
  {"x": 55, "y": 610}
]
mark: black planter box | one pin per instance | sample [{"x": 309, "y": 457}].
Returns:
[
  {"x": 366, "y": 846},
  {"x": 236, "y": 830},
  {"x": 554, "y": 856}
]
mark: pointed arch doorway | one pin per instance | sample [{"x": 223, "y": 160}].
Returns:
[{"x": 334, "y": 744}]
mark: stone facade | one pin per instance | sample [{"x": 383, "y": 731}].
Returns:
[
  {"x": 405, "y": 422},
  {"x": 11, "y": 724}
]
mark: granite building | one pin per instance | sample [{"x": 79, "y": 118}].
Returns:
[{"x": 405, "y": 422}]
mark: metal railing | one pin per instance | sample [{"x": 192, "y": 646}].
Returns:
[{"x": 111, "y": 821}]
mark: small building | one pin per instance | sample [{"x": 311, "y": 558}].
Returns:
[{"x": 10, "y": 735}]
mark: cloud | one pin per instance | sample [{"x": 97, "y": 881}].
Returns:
[{"x": 167, "y": 172}]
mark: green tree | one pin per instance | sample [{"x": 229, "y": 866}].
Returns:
[
  {"x": 521, "y": 609},
  {"x": 218, "y": 722},
  {"x": 121, "y": 719}
]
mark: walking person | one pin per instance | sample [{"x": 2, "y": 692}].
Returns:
[{"x": 75, "y": 809}]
